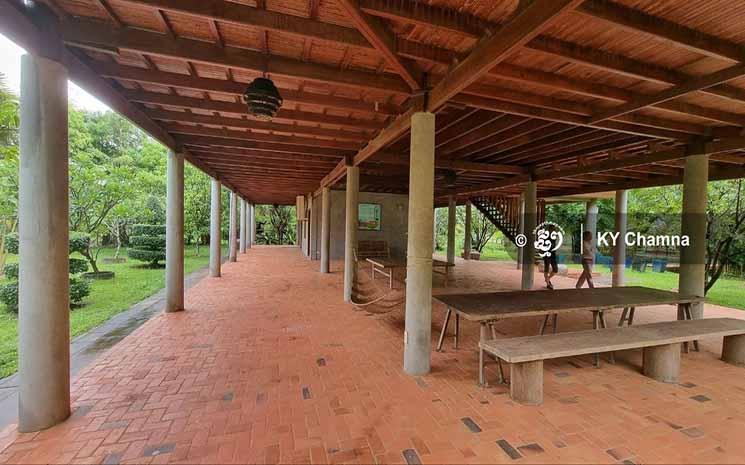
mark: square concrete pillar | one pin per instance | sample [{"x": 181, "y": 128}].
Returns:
[{"x": 244, "y": 226}]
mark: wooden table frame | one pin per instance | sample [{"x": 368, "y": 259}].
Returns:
[
  {"x": 487, "y": 320},
  {"x": 380, "y": 265}
]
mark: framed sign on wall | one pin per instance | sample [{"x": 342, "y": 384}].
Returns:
[{"x": 368, "y": 217}]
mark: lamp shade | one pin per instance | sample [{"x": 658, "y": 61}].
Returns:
[{"x": 262, "y": 98}]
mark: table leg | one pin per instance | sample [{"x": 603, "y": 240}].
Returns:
[
  {"x": 481, "y": 368},
  {"x": 372, "y": 271},
  {"x": 555, "y": 323},
  {"x": 543, "y": 325},
  {"x": 624, "y": 315},
  {"x": 631, "y": 315},
  {"x": 444, "y": 328},
  {"x": 596, "y": 325},
  {"x": 604, "y": 325},
  {"x": 457, "y": 330},
  {"x": 483, "y": 337}
]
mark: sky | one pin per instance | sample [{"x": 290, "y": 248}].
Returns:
[{"x": 10, "y": 67}]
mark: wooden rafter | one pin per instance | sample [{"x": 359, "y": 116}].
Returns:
[
  {"x": 383, "y": 41},
  {"x": 87, "y": 33}
]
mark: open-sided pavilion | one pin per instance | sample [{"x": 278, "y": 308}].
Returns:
[{"x": 437, "y": 102}]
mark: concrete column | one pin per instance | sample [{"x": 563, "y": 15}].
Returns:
[
  {"x": 43, "y": 294},
  {"x": 233, "y": 231},
  {"x": 591, "y": 219},
  {"x": 175, "y": 233},
  {"x": 467, "y": 239},
  {"x": 521, "y": 229},
  {"x": 299, "y": 222},
  {"x": 529, "y": 221},
  {"x": 350, "y": 234},
  {"x": 250, "y": 225},
  {"x": 418, "y": 325},
  {"x": 244, "y": 226},
  {"x": 215, "y": 230},
  {"x": 619, "y": 251},
  {"x": 451, "y": 229},
  {"x": 693, "y": 258},
  {"x": 325, "y": 229}
]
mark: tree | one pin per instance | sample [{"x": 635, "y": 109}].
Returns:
[
  {"x": 148, "y": 243},
  {"x": 9, "y": 120},
  {"x": 482, "y": 230},
  {"x": 278, "y": 223},
  {"x": 196, "y": 206},
  {"x": 725, "y": 228}
]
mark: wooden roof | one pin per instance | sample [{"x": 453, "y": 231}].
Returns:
[{"x": 584, "y": 96}]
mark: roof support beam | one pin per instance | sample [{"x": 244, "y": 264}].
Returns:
[
  {"x": 184, "y": 81},
  {"x": 383, "y": 41},
  {"x": 86, "y": 33},
  {"x": 527, "y": 24}
]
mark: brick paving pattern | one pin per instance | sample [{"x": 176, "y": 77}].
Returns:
[{"x": 269, "y": 365}]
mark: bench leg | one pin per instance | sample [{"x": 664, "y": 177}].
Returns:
[
  {"x": 444, "y": 328},
  {"x": 526, "y": 382},
  {"x": 733, "y": 350},
  {"x": 596, "y": 325},
  {"x": 457, "y": 330},
  {"x": 482, "y": 381},
  {"x": 662, "y": 363}
]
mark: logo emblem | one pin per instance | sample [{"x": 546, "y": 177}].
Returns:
[{"x": 549, "y": 236}]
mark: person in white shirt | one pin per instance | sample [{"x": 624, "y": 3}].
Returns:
[{"x": 588, "y": 258}]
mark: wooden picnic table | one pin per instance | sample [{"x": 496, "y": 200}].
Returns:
[
  {"x": 488, "y": 308},
  {"x": 387, "y": 265}
]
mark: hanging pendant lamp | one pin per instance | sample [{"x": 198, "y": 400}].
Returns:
[{"x": 263, "y": 99}]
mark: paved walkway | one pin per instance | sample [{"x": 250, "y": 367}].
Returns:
[
  {"x": 86, "y": 347},
  {"x": 269, "y": 365}
]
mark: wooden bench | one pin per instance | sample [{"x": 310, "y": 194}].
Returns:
[
  {"x": 371, "y": 249},
  {"x": 661, "y": 343}
]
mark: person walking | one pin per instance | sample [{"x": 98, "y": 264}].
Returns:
[
  {"x": 550, "y": 266},
  {"x": 588, "y": 258}
]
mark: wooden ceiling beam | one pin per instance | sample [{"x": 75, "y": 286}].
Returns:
[
  {"x": 188, "y": 129},
  {"x": 383, "y": 41},
  {"x": 213, "y": 141},
  {"x": 692, "y": 85},
  {"x": 260, "y": 18},
  {"x": 80, "y": 32},
  {"x": 184, "y": 81},
  {"x": 248, "y": 155},
  {"x": 635, "y": 20},
  {"x": 525, "y": 25},
  {"x": 190, "y": 117},
  {"x": 569, "y": 118},
  {"x": 457, "y": 165},
  {"x": 192, "y": 103}
]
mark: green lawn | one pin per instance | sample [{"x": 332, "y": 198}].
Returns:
[
  {"x": 132, "y": 283},
  {"x": 727, "y": 292}
]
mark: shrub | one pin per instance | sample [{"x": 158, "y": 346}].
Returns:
[
  {"x": 9, "y": 295},
  {"x": 11, "y": 270},
  {"x": 78, "y": 265},
  {"x": 11, "y": 243},
  {"x": 148, "y": 243},
  {"x": 80, "y": 242},
  {"x": 80, "y": 288}
]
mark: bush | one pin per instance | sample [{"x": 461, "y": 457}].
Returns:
[
  {"x": 148, "y": 243},
  {"x": 79, "y": 242},
  {"x": 148, "y": 230},
  {"x": 9, "y": 295},
  {"x": 11, "y": 270},
  {"x": 78, "y": 265},
  {"x": 80, "y": 288},
  {"x": 11, "y": 243}
]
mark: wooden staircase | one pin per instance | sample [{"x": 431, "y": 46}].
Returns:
[{"x": 504, "y": 212}]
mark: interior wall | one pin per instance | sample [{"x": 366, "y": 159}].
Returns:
[{"x": 394, "y": 222}]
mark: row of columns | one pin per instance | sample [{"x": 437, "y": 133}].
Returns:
[
  {"x": 241, "y": 227},
  {"x": 44, "y": 316}
]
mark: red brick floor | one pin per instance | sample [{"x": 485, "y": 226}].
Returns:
[{"x": 269, "y": 365}]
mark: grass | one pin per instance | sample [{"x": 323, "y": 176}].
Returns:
[
  {"x": 727, "y": 291},
  {"x": 133, "y": 282}
]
